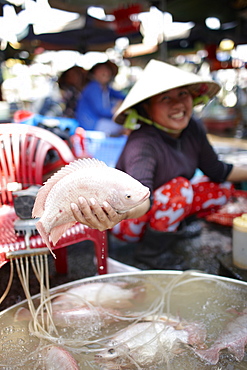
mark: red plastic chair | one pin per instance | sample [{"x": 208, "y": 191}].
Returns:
[{"x": 23, "y": 153}]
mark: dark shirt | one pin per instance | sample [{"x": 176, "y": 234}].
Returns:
[
  {"x": 154, "y": 158},
  {"x": 70, "y": 97}
]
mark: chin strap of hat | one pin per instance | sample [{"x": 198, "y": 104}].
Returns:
[
  {"x": 203, "y": 99},
  {"x": 132, "y": 119}
]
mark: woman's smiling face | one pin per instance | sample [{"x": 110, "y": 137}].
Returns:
[{"x": 171, "y": 109}]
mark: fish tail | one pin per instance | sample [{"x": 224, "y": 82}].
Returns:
[
  {"x": 210, "y": 355},
  {"x": 58, "y": 231},
  {"x": 44, "y": 236}
]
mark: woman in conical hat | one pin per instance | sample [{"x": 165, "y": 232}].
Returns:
[
  {"x": 159, "y": 77},
  {"x": 164, "y": 150}
]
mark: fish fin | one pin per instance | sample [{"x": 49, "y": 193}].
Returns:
[
  {"x": 22, "y": 314},
  {"x": 39, "y": 205},
  {"x": 87, "y": 162},
  {"x": 44, "y": 236},
  {"x": 57, "y": 357},
  {"x": 210, "y": 355},
  {"x": 233, "y": 311},
  {"x": 238, "y": 350},
  {"x": 139, "y": 293},
  {"x": 38, "y": 209},
  {"x": 58, "y": 231}
]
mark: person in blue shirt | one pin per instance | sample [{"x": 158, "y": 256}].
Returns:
[{"x": 98, "y": 100}]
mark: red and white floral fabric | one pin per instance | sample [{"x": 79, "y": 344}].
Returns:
[{"x": 174, "y": 201}]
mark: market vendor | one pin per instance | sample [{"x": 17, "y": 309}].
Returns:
[{"x": 164, "y": 150}]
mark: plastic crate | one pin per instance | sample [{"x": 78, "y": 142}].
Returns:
[
  {"x": 33, "y": 119},
  {"x": 106, "y": 149}
]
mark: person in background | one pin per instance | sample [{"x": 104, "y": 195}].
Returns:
[
  {"x": 164, "y": 150},
  {"x": 98, "y": 100},
  {"x": 71, "y": 82},
  {"x": 1, "y": 94}
]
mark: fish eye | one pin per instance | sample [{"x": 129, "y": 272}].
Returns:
[
  {"x": 127, "y": 196},
  {"x": 111, "y": 351}
]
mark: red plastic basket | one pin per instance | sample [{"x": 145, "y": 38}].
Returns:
[{"x": 226, "y": 218}]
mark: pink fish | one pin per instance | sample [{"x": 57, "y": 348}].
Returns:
[
  {"x": 75, "y": 317},
  {"x": 149, "y": 342},
  {"x": 89, "y": 178},
  {"x": 57, "y": 358},
  {"x": 233, "y": 337},
  {"x": 113, "y": 295},
  {"x": 196, "y": 331}
]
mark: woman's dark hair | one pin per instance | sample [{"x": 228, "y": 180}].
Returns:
[
  {"x": 63, "y": 79},
  {"x": 110, "y": 65},
  {"x": 140, "y": 108}
]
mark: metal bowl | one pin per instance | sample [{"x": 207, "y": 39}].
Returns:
[{"x": 192, "y": 295}]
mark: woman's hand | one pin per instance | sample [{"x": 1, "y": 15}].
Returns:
[{"x": 91, "y": 214}]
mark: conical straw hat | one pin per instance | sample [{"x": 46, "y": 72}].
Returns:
[{"x": 158, "y": 77}]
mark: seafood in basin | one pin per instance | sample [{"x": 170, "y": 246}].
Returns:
[
  {"x": 82, "y": 317},
  {"x": 233, "y": 338},
  {"x": 114, "y": 295},
  {"x": 152, "y": 341},
  {"x": 57, "y": 358},
  {"x": 177, "y": 318}
]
